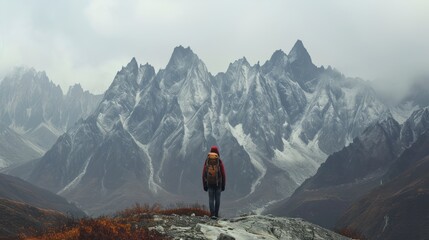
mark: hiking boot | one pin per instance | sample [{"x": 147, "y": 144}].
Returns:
[{"x": 213, "y": 217}]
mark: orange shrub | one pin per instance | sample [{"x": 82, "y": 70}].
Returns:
[
  {"x": 101, "y": 228},
  {"x": 120, "y": 226}
]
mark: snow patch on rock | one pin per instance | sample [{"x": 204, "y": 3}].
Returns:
[{"x": 250, "y": 147}]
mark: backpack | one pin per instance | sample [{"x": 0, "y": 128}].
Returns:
[{"x": 213, "y": 169}]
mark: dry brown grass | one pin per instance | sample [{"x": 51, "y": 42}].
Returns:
[
  {"x": 100, "y": 228},
  {"x": 126, "y": 224},
  {"x": 179, "y": 209}
]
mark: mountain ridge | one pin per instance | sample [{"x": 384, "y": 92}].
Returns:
[
  {"x": 396, "y": 209},
  {"x": 348, "y": 175},
  {"x": 273, "y": 122},
  {"x": 16, "y": 189}
]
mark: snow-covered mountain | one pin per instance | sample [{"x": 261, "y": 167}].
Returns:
[
  {"x": 34, "y": 113},
  {"x": 149, "y": 136}
]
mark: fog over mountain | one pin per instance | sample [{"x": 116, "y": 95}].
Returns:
[
  {"x": 34, "y": 113},
  {"x": 382, "y": 41}
]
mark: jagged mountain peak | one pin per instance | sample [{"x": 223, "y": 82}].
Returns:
[
  {"x": 238, "y": 64},
  {"x": 181, "y": 50},
  {"x": 25, "y": 77},
  {"x": 183, "y": 65},
  {"x": 146, "y": 72},
  {"x": 146, "y": 65},
  {"x": 122, "y": 96},
  {"x": 132, "y": 64},
  {"x": 128, "y": 75},
  {"x": 278, "y": 55},
  {"x": 37, "y": 110},
  {"x": 28, "y": 98},
  {"x": 301, "y": 68},
  {"x": 298, "y": 52},
  {"x": 75, "y": 90},
  {"x": 182, "y": 57},
  {"x": 277, "y": 62},
  {"x": 132, "y": 67},
  {"x": 243, "y": 61}
]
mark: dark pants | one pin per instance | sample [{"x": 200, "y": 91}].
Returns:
[{"x": 214, "y": 200}]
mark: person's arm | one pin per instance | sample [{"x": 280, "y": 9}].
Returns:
[
  {"x": 222, "y": 170},
  {"x": 205, "y": 177}
]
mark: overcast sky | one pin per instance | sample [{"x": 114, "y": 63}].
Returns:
[{"x": 88, "y": 41}]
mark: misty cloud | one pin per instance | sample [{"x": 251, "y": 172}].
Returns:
[{"x": 88, "y": 41}]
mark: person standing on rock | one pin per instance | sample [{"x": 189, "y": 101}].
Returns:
[{"x": 214, "y": 180}]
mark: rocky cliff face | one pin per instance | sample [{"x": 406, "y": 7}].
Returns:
[{"x": 150, "y": 134}]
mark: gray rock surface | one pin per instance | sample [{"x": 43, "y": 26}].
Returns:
[{"x": 245, "y": 227}]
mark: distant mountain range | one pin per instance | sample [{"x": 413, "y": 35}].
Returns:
[
  {"x": 147, "y": 139},
  {"x": 34, "y": 113},
  {"x": 297, "y": 140}
]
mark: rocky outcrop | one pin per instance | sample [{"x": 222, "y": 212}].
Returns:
[{"x": 244, "y": 227}]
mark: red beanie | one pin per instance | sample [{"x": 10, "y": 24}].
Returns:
[{"x": 214, "y": 149}]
